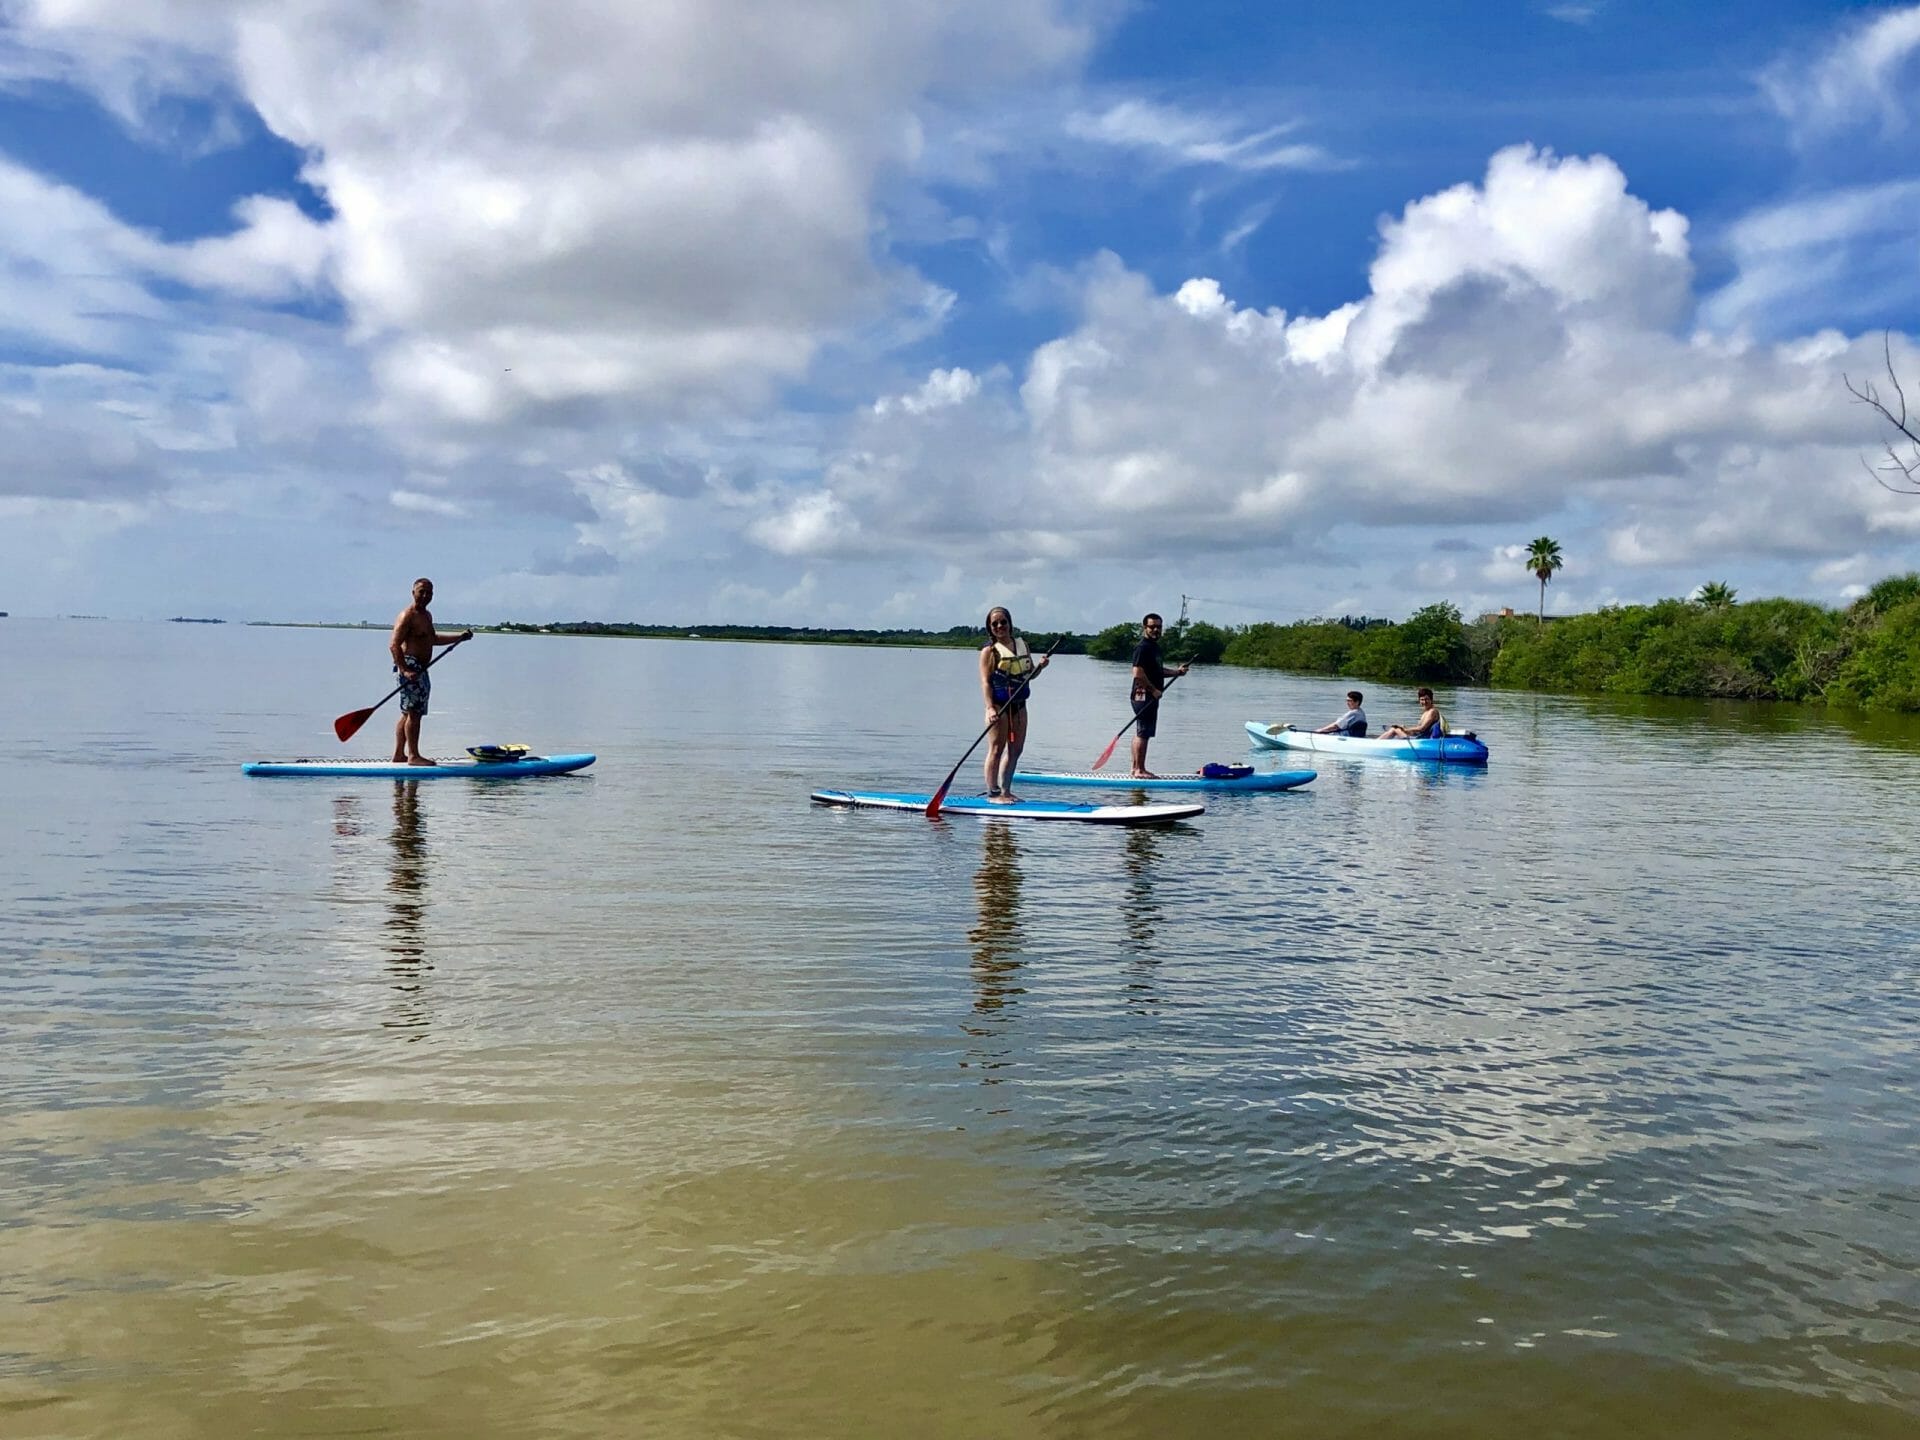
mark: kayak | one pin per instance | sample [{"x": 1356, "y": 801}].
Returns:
[
  {"x": 1020, "y": 810},
  {"x": 445, "y": 770},
  {"x": 1450, "y": 749},
  {"x": 1263, "y": 780}
]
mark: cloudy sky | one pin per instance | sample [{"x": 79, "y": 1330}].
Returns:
[{"x": 877, "y": 312}]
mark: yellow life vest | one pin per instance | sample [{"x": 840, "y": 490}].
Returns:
[{"x": 1011, "y": 665}]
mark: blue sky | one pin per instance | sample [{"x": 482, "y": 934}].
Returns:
[{"x": 883, "y": 311}]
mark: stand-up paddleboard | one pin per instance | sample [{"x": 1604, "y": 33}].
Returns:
[
  {"x": 1197, "y": 780},
  {"x": 1019, "y": 810},
  {"x": 1448, "y": 749},
  {"x": 445, "y": 770}
]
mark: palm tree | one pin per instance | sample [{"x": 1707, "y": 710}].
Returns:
[
  {"x": 1716, "y": 595},
  {"x": 1543, "y": 558}
]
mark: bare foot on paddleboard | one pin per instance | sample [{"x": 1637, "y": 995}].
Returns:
[
  {"x": 1145, "y": 775},
  {"x": 1005, "y": 797},
  {"x": 422, "y": 760}
]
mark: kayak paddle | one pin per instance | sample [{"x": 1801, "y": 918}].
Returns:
[
  {"x": 1107, "y": 754},
  {"x": 349, "y": 723},
  {"x": 933, "y": 805}
]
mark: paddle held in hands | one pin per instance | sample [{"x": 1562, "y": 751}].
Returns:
[
  {"x": 350, "y": 722},
  {"x": 1107, "y": 754},
  {"x": 1019, "y": 694}
]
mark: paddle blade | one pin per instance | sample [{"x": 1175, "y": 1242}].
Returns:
[
  {"x": 1107, "y": 754},
  {"x": 933, "y": 805},
  {"x": 347, "y": 724}
]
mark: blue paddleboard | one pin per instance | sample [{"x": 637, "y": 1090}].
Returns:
[
  {"x": 1264, "y": 780},
  {"x": 1022, "y": 810},
  {"x": 445, "y": 770}
]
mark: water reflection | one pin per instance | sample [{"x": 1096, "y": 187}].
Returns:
[
  {"x": 346, "y": 816},
  {"x": 1709, "y": 723},
  {"x": 1632, "y": 1010},
  {"x": 406, "y": 911},
  {"x": 996, "y": 938},
  {"x": 1140, "y": 908},
  {"x": 997, "y": 951}
]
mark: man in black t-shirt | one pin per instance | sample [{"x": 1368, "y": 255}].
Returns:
[{"x": 1149, "y": 682}]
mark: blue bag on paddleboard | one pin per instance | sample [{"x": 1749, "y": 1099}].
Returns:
[{"x": 1214, "y": 770}]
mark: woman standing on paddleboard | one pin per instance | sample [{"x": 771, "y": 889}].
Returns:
[{"x": 1007, "y": 667}]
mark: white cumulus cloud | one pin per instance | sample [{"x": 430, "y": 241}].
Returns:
[
  {"x": 582, "y": 257},
  {"x": 645, "y": 206},
  {"x": 942, "y": 388},
  {"x": 1526, "y": 350}
]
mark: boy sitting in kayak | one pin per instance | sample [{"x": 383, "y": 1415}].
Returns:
[
  {"x": 1353, "y": 723},
  {"x": 1430, "y": 726}
]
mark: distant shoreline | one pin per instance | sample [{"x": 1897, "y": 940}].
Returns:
[{"x": 958, "y": 638}]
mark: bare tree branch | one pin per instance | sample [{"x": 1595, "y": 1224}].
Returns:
[{"x": 1908, "y": 469}]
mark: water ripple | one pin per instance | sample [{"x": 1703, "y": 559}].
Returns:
[{"x": 1546, "y": 1098}]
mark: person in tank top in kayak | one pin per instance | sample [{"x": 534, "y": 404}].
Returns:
[
  {"x": 1007, "y": 667},
  {"x": 411, "y": 646},
  {"x": 1430, "y": 725},
  {"x": 1149, "y": 682},
  {"x": 1353, "y": 723}
]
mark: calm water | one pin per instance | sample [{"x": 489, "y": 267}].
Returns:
[{"x": 1576, "y": 1097}]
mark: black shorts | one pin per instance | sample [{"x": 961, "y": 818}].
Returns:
[{"x": 1146, "y": 719}]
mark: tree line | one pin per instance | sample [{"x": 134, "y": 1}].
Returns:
[{"x": 1864, "y": 655}]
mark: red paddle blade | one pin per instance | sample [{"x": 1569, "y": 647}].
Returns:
[
  {"x": 345, "y": 726},
  {"x": 933, "y": 805},
  {"x": 1107, "y": 754}
]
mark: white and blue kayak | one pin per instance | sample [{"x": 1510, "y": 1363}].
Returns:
[
  {"x": 1448, "y": 749},
  {"x": 1196, "y": 780},
  {"x": 463, "y": 768},
  {"x": 1020, "y": 810}
]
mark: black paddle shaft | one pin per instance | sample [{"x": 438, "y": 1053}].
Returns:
[
  {"x": 349, "y": 724},
  {"x": 1107, "y": 754}
]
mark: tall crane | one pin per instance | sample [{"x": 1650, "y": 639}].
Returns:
[{"x": 1230, "y": 604}]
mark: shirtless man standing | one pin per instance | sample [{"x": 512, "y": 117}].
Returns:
[{"x": 412, "y": 649}]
